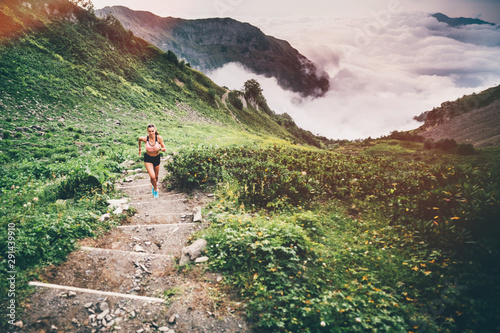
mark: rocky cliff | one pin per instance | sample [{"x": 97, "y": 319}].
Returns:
[{"x": 207, "y": 44}]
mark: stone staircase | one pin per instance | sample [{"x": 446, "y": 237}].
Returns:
[{"x": 129, "y": 280}]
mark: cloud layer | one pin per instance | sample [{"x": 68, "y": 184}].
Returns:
[{"x": 384, "y": 69}]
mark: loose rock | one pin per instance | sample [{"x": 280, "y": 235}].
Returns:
[
  {"x": 197, "y": 214},
  {"x": 192, "y": 252},
  {"x": 138, "y": 248}
]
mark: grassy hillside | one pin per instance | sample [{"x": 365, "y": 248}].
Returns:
[{"x": 384, "y": 235}]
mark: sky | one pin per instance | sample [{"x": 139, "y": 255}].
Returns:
[{"x": 388, "y": 60}]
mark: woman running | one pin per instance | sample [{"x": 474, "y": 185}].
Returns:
[{"x": 154, "y": 144}]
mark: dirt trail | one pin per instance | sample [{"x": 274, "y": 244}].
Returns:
[
  {"x": 224, "y": 98},
  {"x": 128, "y": 279}
]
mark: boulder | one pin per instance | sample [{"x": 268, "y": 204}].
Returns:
[{"x": 192, "y": 251}]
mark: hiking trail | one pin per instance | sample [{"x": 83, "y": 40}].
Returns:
[{"x": 128, "y": 280}]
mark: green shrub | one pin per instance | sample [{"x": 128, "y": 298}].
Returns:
[
  {"x": 446, "y": 144},
  {"x": 406, "y": 136},
  {"x": 465, "y": 149},
  {"x": 428, "y": 144},
  {"x": 235, "y": 100},
  {"x": 78, "y": 185}
]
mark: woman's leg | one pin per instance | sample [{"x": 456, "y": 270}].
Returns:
[
  {"x": 152, "y": 174},
  {"x": 157, "y": 172}
]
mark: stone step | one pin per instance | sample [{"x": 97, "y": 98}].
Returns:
[
  {"x": 137, "y": 273},
  {"x": 164, "y": 239},
  {"x": 161, "y": 218},
  {"x": 57, "y": 308},
  {"x": 93, "y": 291},
  {"x": 54, "y": 308},
  {"x": 148, "y": 199}
]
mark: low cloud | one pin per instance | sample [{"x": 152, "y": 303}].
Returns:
[{"x": 383, "y": 72}]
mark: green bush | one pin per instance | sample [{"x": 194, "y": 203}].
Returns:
[
  {"x": 235, "y": 100},
  {"x": 465, "y": 149},
  {"x": 78, "y": 185},
  {"x": 428, "y": 144},
  {"x": 446, "y": 144}
]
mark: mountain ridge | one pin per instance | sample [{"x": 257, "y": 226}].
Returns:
[
  {"x": 458, "y": 21},
  {"x": 470, "y": 119},
  {"x": 210, "y": 43}
]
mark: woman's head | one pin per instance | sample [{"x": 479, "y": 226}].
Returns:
[{"x": 152, "y": 129}]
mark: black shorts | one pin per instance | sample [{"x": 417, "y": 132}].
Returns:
[{"x": 152, "y": 159}]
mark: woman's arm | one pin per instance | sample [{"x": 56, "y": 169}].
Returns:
[
  {"x": 139, "y": 140},
  {"x": 160, "y": 140}
]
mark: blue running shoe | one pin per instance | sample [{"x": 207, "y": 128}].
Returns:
[{"x": 155, "y": 193}]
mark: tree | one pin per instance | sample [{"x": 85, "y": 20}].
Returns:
[{"x": 252, "y": 89}]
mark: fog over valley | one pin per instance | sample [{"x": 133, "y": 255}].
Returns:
[{"x": 383, "y": 70}]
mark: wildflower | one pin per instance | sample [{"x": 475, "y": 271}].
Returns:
[
  {"x": 358, "y": 320},
  {"x": 323, "y": 324},
  {"x": 35, "y": 199}
]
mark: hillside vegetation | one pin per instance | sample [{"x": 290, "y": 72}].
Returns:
[{"x": 383, "y": 235}]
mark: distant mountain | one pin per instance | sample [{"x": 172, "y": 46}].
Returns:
[
  {"x": 459, "y": 21},
  {"x": 207, "y": 44},
  {"x": 471, "y": 119}
]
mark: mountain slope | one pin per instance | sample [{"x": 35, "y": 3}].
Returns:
[
  {"x": 210, "y": 43},
  {"x": 471, "y": 119},
  {"x": 63, "y": 56}
]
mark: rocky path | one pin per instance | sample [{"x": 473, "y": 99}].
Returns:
[{"x": 129, "y": 279}]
